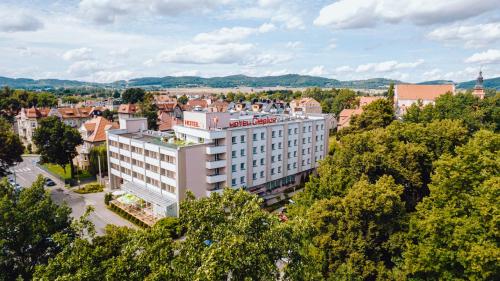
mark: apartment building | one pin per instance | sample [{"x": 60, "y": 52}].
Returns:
[{"x": 266, "y": 154}]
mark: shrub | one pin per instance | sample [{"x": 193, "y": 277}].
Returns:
[
  {"x": 107, "y": 197},
  {"x": 170, "y": 225},
  {"x": 90, "y": 188}
]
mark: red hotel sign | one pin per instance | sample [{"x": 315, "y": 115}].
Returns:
[
  {"x": 252, "y": 122},
  {"x": 190, "y": 123}
]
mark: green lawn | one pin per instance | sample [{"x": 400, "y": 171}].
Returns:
[{"x": 58, "y": 170}]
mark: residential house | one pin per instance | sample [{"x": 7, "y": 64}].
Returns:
[
  {"x": 27, "y": 121},
  {"x": 73, "y": 116},
  {"x": 407, "y": 94},
  {"x": 346, "y": 115},
  {"x": 305, "y": 106},
  {"x": 128, "y": 110},
  {"x": 93, "y": 134}
]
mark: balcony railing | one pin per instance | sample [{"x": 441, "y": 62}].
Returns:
[{"x": 216, "y": 178}]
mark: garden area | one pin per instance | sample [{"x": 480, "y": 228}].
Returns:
[
  {"x": 65, "y": 174},
  {"x": 93, "y": 187}
]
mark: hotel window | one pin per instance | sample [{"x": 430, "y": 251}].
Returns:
[
  {"x": 261, "y": 174},
  {"x": 201, "y": 140},
  {"x": 279, "y": 170},
  {"x": 316, "y": 148},
  {"x": 321, "y": 137},
  {"x": 242, "y": 139},
  {"x": 272, "y": 171},
  {"x": 273, "y": 146},
  {"x": 233, "y": 140},
  {"x": 289, "y": 154},
  {"x": 233, "y": 154},
  {"x": 262, "y": 136},
  {"x": 272, "y": 159},
  {"x": 280, "y": 133},
  {"x": 303, "y": 151},
  {"x": 279, "y": 145},
  {"x": 321, "y": 147},
  {"x": 254, "y": 176},
  {"x": 310, "y": 128},
  {"x": 273, "y": 134},
  {"x": 261, "y": 148},
  {"x": 295, "y": 142},
  {"x": 261, "y": 161},
  {"x": 317, "y": 127},
  {"x": 309, "y": 140},
  {"x": 295, "y": 153},
  {"x": 254, "y": 149},
  {"x": 308, "y": 150},
  {"x": 242, "y": 166},
  {"x": 233, "y": 168},
  {"x": 254, "y": 137},
  {"x": 322, "y": 127},
  {"x": 254, "y": 163},
  {"x": 294, "y": 165},
  {"x": 242, "y": 152},
  {"x": 303, "y": 163},
  {"x": 295, "y": 130},
  {"x": 288, "y": 167},
  {"x": 289, "y": 143},
  {"x": 170, "y": 174},
  {"x": 304, "y": 129},
  {"x": 316, "y": 138},
  {"x": 304, "y": 141},
  {"x": 279, "y": 157},
  {"x": 242, "y": 180},
  {"x": 308, "y": 161},
  {"x": 233, "y": 182},
  {"x": 289, "y": 132}
]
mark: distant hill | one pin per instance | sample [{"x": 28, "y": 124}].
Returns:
[
  {"x": 233, "y": 81},
  {"x": 493, "y": 83},
  {"x": 436, "y": 82}
]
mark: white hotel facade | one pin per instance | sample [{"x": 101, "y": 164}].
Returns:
[{"x": 266, "y": 154}]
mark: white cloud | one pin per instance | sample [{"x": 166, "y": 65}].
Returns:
[
  {"x": 282, "y": 13},
  {"x": 231, "y": 53},
  {"x": 17, "y": 20},
  {"x": 206, "y": 54},
  {"x": 269, "y": 3},
  {"x": 186, "y": 73},
  {"x": 343, "y": 69},
  {"x": 85, "y": 68},
  {"x": 83, "y": 53},
  {"x": 478, "y": 35},
  {"x": 433, "y": 74},
  {"x": 318, "y": 70},
  {"x": 387, "y": 66},
  {"x": 367, "y": 13},
  {"x": 293, "y": 44},
  {"x": 490, "y": 56},
  {"x": 233, "y": 34},
  {"x": 111, "y": 76},
  {"x": 109, "y": 11}
]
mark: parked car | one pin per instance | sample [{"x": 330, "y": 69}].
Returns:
[{"x": 49, "y": 182}]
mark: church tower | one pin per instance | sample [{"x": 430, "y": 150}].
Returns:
[{"x": 479, "y": 89}]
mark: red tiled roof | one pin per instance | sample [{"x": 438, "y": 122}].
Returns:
[
  {"x": 34, "y": 112},
  {"x": 422, "y": 92},
  {"x": 98, "y": 127},
  {"x": 128, "y": 108},
  {"x": 197, "y": 102}
]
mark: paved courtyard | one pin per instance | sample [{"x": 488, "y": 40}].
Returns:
[{"x": 26, "y": 173}]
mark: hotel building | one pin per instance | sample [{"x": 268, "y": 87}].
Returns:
[{"x": 266, "y": 154}]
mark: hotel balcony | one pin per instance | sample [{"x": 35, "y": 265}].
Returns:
[
  {"x": 216, "y": 149},
  {"x": 216, "y": 178},
  {"x": 216, "y": 164}
]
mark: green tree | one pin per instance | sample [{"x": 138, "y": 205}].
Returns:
[
  {"x": 377, "y": 114},
  {"x": 183, "y": 99},
  {"x": 390, "y": 92},
  {"x": 454, "y": 233},
  {"x": 404, "y": 151},
  {"x": 11, "y": 147},
  {"x": 133, "y": 95},
  {"x": 30, "y": 229},
  {"x": 356, "y": 236},
  {"x": 150, "y": 111},
  {"x": 96, "y": 153},
  {"x": 57, "y": 142},
  {"x": 108, "y": 114}
]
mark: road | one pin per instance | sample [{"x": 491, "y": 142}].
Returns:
[{"x": 26, "y": 173}]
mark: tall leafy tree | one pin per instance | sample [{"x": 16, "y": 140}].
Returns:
[
  {"x": 356, "y": 236},
  {"x": 11, "y": 147},
  {"x": 133, "y": 95},
  {"x": 183, "y": 99},
  {"x": 150, "y": 111},
  {"x": 378, "y": 114},
  {"x": 98, "y": 153},
  {"x": 454, "y": 233},
  {"x": 31, "y": 226},
  {"x": 57, "y": 142}
]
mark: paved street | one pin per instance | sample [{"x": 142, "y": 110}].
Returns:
[{"x": 26, "y": 173}]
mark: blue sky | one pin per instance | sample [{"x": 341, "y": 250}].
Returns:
[{"x": 108, "y": 40}]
